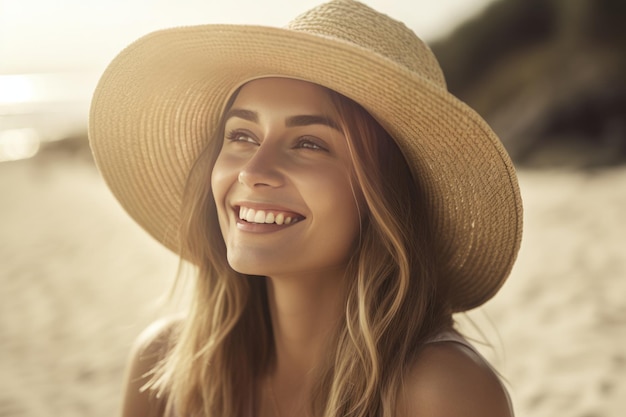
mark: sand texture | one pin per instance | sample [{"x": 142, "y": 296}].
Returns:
[{"x": 79, "y": 280}]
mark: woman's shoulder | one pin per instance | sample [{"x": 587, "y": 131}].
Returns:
[
  {"x": 449, "y": 378},
  {"x": 150, "y": 347},
  {"x": 157, "y": 337}
]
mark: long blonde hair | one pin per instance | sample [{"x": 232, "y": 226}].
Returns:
[{"x": 393, "y": 302}]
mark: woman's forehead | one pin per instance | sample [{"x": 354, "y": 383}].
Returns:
[{"x": 285, "y": 94}]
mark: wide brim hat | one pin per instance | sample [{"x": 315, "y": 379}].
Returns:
[{"x": 159, "y": 101}]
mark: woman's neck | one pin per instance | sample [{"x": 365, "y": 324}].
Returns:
[{"x": 305, "y": 311}]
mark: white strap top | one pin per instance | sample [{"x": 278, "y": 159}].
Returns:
[{"x": 452, "y": 336}]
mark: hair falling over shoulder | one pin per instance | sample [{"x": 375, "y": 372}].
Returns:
[{"x": 393, "y": 301}]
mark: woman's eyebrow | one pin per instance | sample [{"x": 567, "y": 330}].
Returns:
[
  {"x": 249, "y": 115},
  {"x": 306, "y": 120},
  {"x": 293, "y": 121}
]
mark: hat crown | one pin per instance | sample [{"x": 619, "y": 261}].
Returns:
[{"x": 353, "y": 22}]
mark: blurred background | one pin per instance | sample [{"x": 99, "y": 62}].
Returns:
[{"x": 79, "y": 280}]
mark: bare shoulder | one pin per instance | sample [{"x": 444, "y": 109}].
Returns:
[
  {"x": 150, "y": 347},
  {"x": 154, "y": 339},
  {"x": 449, "y": 379}
]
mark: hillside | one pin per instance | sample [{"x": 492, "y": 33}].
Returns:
[{"x": 548, "y": 75}]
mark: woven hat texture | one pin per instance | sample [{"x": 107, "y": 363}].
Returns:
[{"x": 158, "y": 102}]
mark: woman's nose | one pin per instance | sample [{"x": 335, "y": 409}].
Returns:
[{"x": 262, "y": 169}]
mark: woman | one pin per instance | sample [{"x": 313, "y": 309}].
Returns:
[{"x": 338, "y": 204}]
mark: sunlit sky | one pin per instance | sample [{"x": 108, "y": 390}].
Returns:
[
  {"x": 53, "y": 51},
  {"x": 84, "y": 35}
]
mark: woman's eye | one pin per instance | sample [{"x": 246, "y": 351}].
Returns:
[
  {"x": 306, "y": 143},
  {"x": 238, "y": 136}
]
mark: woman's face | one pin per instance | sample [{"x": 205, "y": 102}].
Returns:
[{"x": 281, "y": 182}]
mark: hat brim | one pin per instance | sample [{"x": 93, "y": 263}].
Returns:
[{"x": 158, "y": 102}]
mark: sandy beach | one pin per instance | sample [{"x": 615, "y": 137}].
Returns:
[{"x": 79, "y": 280}]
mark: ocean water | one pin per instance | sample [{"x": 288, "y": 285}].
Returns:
[{"x": 42, "y": 107}]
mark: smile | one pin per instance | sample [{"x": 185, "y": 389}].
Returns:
[{"x": 251, "y": 215}]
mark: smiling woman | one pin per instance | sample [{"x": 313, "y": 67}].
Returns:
[
  {"x": 286, "y": 161},
  {"x": 336, "y": 214}
]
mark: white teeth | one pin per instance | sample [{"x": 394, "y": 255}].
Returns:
[{"x": 261, "y": 216}]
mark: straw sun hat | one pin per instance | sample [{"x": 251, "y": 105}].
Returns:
[{"x": 158, "y": 102}]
